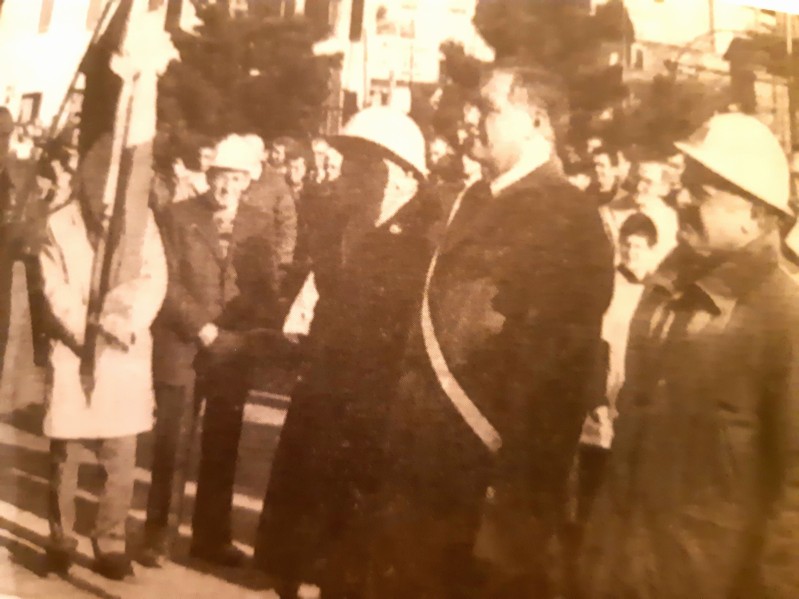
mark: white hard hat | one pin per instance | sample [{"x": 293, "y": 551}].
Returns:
[
  {"x": 389, "y": 129},
  {"x": 233, "y": 153},
  {"x": 744, "y": 151},
  {"x": 256, "y": 143}
]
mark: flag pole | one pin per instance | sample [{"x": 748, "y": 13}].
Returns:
[{"x": 113, "y": 197}]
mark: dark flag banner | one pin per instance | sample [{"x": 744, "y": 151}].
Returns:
[{"x": 117, "y": 130}]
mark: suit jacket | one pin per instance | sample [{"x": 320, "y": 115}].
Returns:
[
  {"x": 235, "y": 291},
  {"x": 516, "y": 301},
  {"x": 272, "y": 195}
]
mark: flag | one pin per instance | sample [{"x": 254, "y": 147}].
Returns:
[{"x": 117, "y": 131}]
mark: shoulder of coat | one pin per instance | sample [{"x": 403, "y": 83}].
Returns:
[
  {"x": 777, "y": 298},
  {"x": 187, "y": 210}
]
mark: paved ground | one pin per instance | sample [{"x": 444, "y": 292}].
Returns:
[{"x": 23, "y": 525}]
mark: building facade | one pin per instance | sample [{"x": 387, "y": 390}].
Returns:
[
  {"x": 42, "y": 43},
  {"x": 389, "y": 46},
  {"x": 692, "y": 39}
]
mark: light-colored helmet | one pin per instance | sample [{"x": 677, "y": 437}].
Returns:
[
  {"x": 389, "y": 129},
  {"x": 744, "y": 151},
  {"x": 233, "y": 153},
  {"x": 256, "y": 143}
]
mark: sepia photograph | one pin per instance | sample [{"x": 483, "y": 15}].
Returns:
[{"x": 399, "y": 299}]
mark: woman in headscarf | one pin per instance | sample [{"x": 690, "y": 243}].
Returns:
[{"x": 369, "y": 272}]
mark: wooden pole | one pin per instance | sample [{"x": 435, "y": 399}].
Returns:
[{"x": 113, "y": 196}]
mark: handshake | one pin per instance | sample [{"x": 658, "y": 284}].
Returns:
[{"x": 222, "y": 345}]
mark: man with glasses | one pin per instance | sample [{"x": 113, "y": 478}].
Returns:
[{"x": 701, "y": 497}]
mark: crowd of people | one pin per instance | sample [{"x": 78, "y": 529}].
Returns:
[{"x": 524, "y": 369}]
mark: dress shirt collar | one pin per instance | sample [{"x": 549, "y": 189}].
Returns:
[
  {"x": 722, "y": 281},
  {"x": 537, "y": 153}
]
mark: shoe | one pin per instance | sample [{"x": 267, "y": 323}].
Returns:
[
  {"x": 59, "y": 560},
  {"x": 152, "y": 557},
  {"x": 114, "y": 566},
  {"x": 225, "y": 555},
  {"x": 286, "y": 590}
]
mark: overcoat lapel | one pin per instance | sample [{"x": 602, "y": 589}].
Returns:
[
  {"x": 476, "y": 200},
  {"x": 246, "y": 218},
  {"x": 204, "y": 229},
  {"x": 479, "y": 205}
]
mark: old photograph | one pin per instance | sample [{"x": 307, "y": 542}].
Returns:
[{"x": 399, "y": 299}]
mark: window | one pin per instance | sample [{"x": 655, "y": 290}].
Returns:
[
  {"x": 29, "y": 107},
  {"x": 46, "y": 16}
]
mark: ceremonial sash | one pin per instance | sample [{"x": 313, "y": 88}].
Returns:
[{"x": 467, "y": 409}]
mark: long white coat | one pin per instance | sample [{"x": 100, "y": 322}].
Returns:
[{"x": 122, "y": 401}]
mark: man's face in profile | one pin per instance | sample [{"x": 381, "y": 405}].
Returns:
[{"x": 505, "y": 126}]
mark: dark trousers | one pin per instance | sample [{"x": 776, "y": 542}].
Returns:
[
  {"x": 172, "y": 437},
  {"x": 592, "y": 463},
  {"x": 117, "y": 457},
  {"x": 225, "y": 393}
]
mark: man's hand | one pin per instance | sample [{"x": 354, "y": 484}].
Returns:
[
  {"x": 598, "y": 428},
  {"x": 208, "y": 334}
]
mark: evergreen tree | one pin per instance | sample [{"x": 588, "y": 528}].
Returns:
[{"x": 246, "y": 74}]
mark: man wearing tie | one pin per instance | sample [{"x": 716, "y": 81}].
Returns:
[
  {"x": 497, "y": 376},
  {"x": 221, "y": 292}
]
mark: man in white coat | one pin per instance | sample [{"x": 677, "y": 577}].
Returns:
[{"x": 121, "y": 404}]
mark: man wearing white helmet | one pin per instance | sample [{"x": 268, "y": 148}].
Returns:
[
  {"x": 493, "y": 392},
  {"x": 369, "y": 270},
  {"x": 221, "y": 289},
  {"x": 701, "y": 497}
]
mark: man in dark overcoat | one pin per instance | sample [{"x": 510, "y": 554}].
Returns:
[
  {"x": 701, "y": 494},
  {"x": 494, "y": 389},
  {"x": 221, "y": 295}
]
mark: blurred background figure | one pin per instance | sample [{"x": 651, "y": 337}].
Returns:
[
  {"x": 577, "y": 170},
  {"x": 23, "y": 142},
  {"x": 333, "y": 164},
  {"x": 675, "y": 169},
  {"x": 652, "y": 189},
  {"x": 319, "y": 149},
  {"x": 277, "y": 153},
  {"x": 296, "y": 171},
  {"x": 607, "y": 184},
  {"x": 652, "y": 186},
  {"x": 445, "y": 167},
  {"x": 191, "y": 175},
  {"x": 300, "y": 188},
  {"x": 270, "y": 192}
]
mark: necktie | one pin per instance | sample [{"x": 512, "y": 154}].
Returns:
[{"x": 224, "y": 227}]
